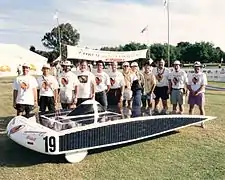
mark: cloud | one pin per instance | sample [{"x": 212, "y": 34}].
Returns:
[{"x": 111, "y": 23}]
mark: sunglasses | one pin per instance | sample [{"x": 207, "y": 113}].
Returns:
[{"x": 125, "y": 66}]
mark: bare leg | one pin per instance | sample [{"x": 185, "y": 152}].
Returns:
[
  {"x": 174, "y": 111},
  {"x": 156, "y": 109},
  {"x": 181, "y": 108},
  {"x": 191, "y": 107},
  {"x": 202, "y": 112}
]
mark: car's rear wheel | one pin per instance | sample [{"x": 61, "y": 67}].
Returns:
[{"x": 76, "y": 157}]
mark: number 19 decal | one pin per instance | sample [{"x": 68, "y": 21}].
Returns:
[{"x": 50, "y": 144}]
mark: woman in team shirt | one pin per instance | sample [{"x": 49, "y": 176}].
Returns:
[
  {"x": 25, "y": 92},
  {"x": 161, "y": 90},
  {"x": 68, "y": 87},
  {"x": 196, "y": 86},
  {"x": 114, "y": 95},
  {"x": 87, "y": 84},
  {"x": 48, "y": 90}
]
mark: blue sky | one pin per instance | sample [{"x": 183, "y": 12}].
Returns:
[{"x": 113, "y": 22}]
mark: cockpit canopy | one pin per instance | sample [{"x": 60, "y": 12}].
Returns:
[{"x": 87, "y": 107}]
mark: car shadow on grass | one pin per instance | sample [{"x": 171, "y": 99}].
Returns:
[{"x": 14, "y": 155}]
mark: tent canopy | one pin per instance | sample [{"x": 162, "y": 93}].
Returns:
[{"x": 12, "y": 55}]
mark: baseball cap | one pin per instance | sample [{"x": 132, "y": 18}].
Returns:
[
  {"x": 26, "y": 65},
  {"x": 46, "y": 66},
  {"x": 67, "y": 63},
  {"x": 197, "y": 64},
  {"x": 134, "y": 64},
  {"x": 126, "y": 64},
  {"x": 176, "y": 62}
]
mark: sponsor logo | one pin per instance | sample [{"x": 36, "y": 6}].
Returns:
[
  {"x": 31, "y": 138},
  {"x": 35, "y": 132}
]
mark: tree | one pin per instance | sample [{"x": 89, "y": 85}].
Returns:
[{"x": 69, "y": 36}]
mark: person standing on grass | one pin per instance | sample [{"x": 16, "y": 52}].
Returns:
[
  {"x": 129, "y": 76},
  {"x": 196, "y": 86},
  {"x": 149, "y": 86},
  {"x": 25, "y": 92},
  {"x": 161, "y": 90},
  {"x": 138, "y": 85},
  {"x": 177, "y": 87},
  {"x": 68, "y": 87},
  {"x": 48, "y": 90},
  {"x": 114, "y": 95},
  {"x": 102, "y": 85},
  {"x": 87, "y": 84}
]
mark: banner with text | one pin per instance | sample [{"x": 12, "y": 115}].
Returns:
[{"x": 74, "y": 52}]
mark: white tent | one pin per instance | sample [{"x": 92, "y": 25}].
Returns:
[{"x": 12, "y": 55}]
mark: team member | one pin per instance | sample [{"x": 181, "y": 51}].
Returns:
[
  {"x": 102, "y": 85},
  {"x": 161, "y": 90},
  {"x": 48, "y": 90},
  {"x": 128, "y": 79},
  {"x": 138, "y": 85},
  {"x": 68, "y": 87},
  {"x": 24, "y": 92},
  {"x": 114, "y": 95},
  {"x": 177, "y": 87},
  {"x": 87, "y": 84},
  {"x": 196, "y": 86},
  {"x": 149, "y": 86}
]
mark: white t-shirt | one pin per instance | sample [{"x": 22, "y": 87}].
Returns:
[
  {"x": 68, "y": 81},
  {"x": 102, "y": 81},
  {"x": 196, "y": 80},
  {"x": 161, "y": 76},
  {"x": 178, "y": 79},
  {"x": 116, "y": 79},
  {"x": 86, "y": 79},
  {"x": 47, "y": 85},
  {"x": 25, "y": 85}
]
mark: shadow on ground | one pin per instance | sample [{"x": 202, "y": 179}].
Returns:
[{"x": 14, "y": 155}]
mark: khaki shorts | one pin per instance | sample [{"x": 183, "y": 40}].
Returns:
[
  {"x": 127, "y": 94},
  {"x": 177, "y": 96}
]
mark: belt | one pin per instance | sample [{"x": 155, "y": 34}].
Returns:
[
  {"x": 177, "y": 88},
  {"x": 100, "y": 92}
]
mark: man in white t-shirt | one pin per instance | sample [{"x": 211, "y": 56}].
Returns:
[
  {"x": 161, "y": 90},
  {"x": 48, "y": 90},
  {"x": 177, "y": 87},
  {"x": 68, "y": 87},
  {"x": 102, "y": 85},
  {"x": 196, "y": 86},
  {"x": 25, "y": 92},
  {"x": 115, "y": 93},
  {"x": 87, "y": 84}
]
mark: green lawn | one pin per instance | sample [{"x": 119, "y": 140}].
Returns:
[{"x": 191, "y": 153}]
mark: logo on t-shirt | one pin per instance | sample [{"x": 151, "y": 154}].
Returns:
[
  {"x": 175, "y": 80},
  {"x": 112, "y": 81},
  {"x": 45, "y": 85},
  {"x": 159, "y": 77},
  {"x": 83, "y": 78},
  {"x": 195, "y": 80},
  {"x": 24, "y": 85},
  {"x": 98, "y": 80},
  {"x": 64, "y": 81}
]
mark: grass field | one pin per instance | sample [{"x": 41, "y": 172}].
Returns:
[{"x": 191, "y": 153}]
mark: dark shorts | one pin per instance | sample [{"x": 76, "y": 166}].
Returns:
[
  {"x": 24, "y": 107},
  {"x": 45, "y": 102},
  {"x": 196, "y": 100},
  {"x": 161, "y": 92},
  {"x": 114, "y": 96},
  {"x": 81, "y": 100}
]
